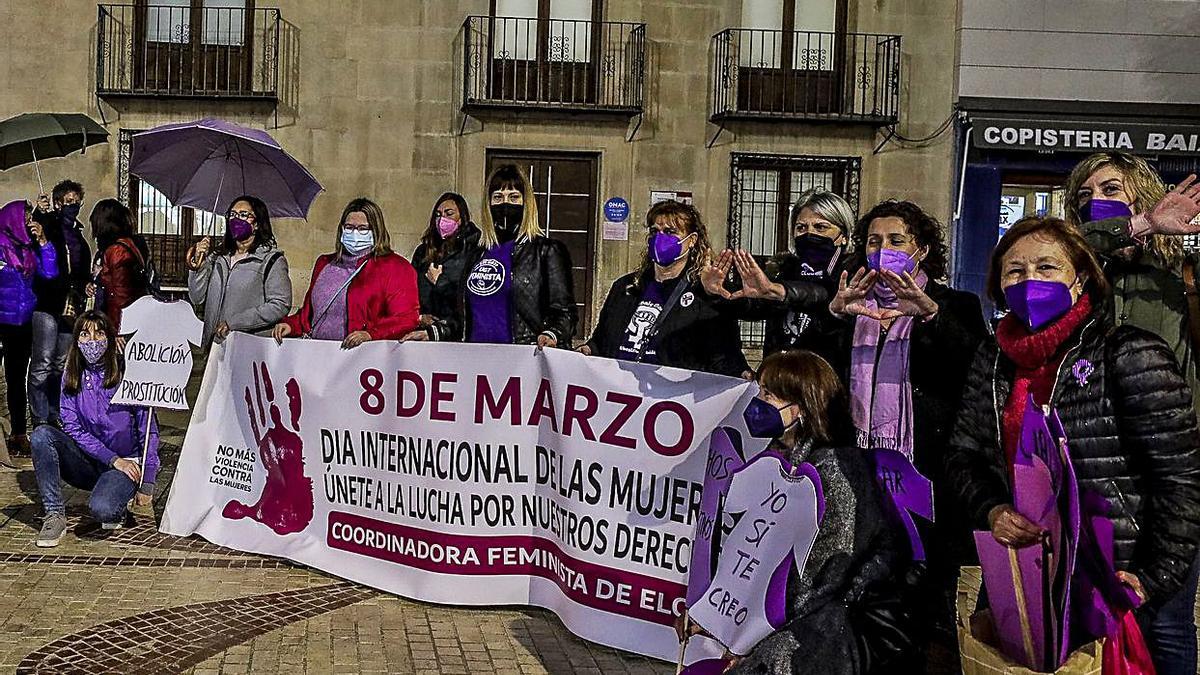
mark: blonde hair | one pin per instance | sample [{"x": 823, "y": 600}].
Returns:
[
  {"x": 509, "y": 177},
  {"x": 374, "y": 214},
  {"x": 1141, "y": 182}
]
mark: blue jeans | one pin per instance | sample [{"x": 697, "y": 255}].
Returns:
[
  {"x": 46, "y": 367},
  {"x": 57, "y": 457},
  {"x": 1170, "y": 629}
]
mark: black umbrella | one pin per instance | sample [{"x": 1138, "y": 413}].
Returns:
[{"x": 35, "y": 136}]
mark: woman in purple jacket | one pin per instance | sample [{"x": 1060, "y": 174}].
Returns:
[
  {"x": 24, "y": 253},
  {"x": 100, "y": 445}
]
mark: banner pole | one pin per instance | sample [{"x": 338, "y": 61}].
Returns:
[
  {"x": 146, "y": 444},
  {"x": 682, "y": 643}
]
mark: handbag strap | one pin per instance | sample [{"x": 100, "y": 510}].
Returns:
[
  {"x": 1193, "y": 301},
  {"x": 334, "y": 297}
]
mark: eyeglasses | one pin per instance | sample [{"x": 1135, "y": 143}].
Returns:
[
  {"x": 244, "y": 215},
  {"x": 362, "y": 227}
]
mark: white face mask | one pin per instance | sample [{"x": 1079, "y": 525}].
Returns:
[{"x": 357, "y": 241}]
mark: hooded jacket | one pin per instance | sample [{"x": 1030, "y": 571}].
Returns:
[
  {"x": 251, "y": 295},
  {"x": 21, "y": 261}
]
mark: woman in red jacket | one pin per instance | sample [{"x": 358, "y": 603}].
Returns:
[
  {"x": 122, "y": 255},
  {"x": 362, "y": 291}
]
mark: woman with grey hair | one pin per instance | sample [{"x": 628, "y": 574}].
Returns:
[{"x": 794, "y": 291}]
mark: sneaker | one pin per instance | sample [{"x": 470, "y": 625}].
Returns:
[{"x": 54, "y": 526}]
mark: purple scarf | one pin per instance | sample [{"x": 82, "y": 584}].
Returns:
[{"x": 881, "y": 391}]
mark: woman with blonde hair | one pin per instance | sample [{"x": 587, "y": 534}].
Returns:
[
  {"x": 660, "y": 313},
  {"x": 1132, "y": 223},
  {"x": 518, "y": 288},
  {"x": 362, "y": 291}
]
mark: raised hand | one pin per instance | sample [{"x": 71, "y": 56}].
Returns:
[
  {"x": 1176, "y": 211},
  {"x": 713, "y": 276},
  {"x": 755, "y": 283},
  {"x": 913, "y": 300},
  {"x": 851, "y": 298}
]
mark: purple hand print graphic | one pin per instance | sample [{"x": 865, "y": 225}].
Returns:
[{"x": 286, "y": 502}]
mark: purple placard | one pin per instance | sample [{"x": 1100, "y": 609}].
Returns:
[{"x": 909, "y": 493}]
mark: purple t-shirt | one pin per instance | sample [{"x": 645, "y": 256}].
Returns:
[
  {"x": 489, "y": 296},
  {"x": 644, "y": 317}
]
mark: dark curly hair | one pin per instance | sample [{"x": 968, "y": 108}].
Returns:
[{"x": 923, "y": 227}]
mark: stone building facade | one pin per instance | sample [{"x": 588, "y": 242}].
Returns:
[{"x": 401, "y": 100}]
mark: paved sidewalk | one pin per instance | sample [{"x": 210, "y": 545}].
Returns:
[{"x": 136, "y": 601}]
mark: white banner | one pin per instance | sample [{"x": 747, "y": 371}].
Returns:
[{"x": 461, "y": 474}]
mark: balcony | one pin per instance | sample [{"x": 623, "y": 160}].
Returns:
[
  {"x": 187, "y": 51},
  {"x": 805, "y": 76},
  {"x": 553, "y": 65}
]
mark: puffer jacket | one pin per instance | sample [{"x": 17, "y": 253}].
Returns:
[
  {"x": 1132, "y": 437},
  {"x": 21, "y": 262},
  {"x": 543, "y": 293}
]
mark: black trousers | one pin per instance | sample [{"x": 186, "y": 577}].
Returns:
[{"x": 17, "y": 342}]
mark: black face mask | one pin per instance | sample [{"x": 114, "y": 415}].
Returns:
[
  {"x": 69, "y": 213},
  {"x": 507, "y": 220},
  {"x": 815, "y": 253}
]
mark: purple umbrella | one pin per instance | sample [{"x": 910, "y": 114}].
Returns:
[{"x": 208, "y": 163}]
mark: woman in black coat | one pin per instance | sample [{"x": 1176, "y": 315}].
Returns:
[
  {"x": 518, "y": 288},
  {"x": 907, "y": 343},
  {"x": 660, "y": 314},
  {"x": 1126, "y": 409},
  {"x": 450, "y": 240}
]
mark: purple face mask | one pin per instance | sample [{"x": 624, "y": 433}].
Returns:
[
  {"x": 239, "y": 229},
  {"x": 447, "y": 226},
  {"x": 665, "y": 248},
  {"x": 892, "y": 260},
  {"x": 1038, "y": 303},
  {"x": 1100, "y": 209},
  {"x": 93, "y": 350}
]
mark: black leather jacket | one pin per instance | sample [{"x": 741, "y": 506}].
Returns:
[
  {"x": 1132, "y": 435},
  {"x": 543, "y": 290}
]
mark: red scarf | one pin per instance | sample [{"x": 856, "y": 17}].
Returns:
[{"x": 1037, "y": 357}]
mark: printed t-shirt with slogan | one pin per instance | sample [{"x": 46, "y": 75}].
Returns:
[
  {"x": 158, "y": 356},
  {"x": 489, "y": 296},
  {"x": 644, "y": 317}
]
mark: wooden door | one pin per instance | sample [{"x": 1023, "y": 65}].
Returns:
[
  {"x": 544, "y": 53},
  {"x": 789, "y": 61},
  {"x": 565, "y": 185},
  {"x": 200, "y": 47}
]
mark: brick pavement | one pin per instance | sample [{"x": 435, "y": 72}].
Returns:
[{"x": 138, "y": 601}]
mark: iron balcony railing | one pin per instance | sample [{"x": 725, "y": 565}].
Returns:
[
  {"x": 553, "y": 64},
  {"x": 187, "y": 51},
  {"x": 805, "y": 75}
]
